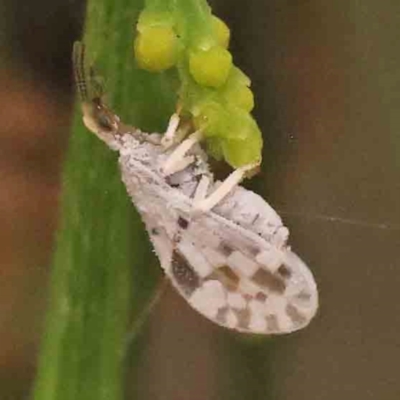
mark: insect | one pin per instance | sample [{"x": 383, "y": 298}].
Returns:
[{"x": 223, "y": 247}]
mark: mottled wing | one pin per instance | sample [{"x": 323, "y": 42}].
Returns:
[
  {"x": 239, "y": 280},
  {"x": 234, "y": 276}
]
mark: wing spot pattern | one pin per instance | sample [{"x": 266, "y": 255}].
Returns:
[
  {"x": 184, "y": 275},
  {"x": 260, "y": 296},
  {"x": 183, "y": 223},
  {"x": 295, "y": 315},
  {"x": 303, "y": 295},
  {"x": 154, "y": 231},
  {"x": 302, "y": 299},
  {"x": 269, "y": 281},
  {"x": 284, "y": 272},
  {"x": 243, "y": 317},
  {"x": 225, "y": 249},
  {"x": 227, "y": 277}
]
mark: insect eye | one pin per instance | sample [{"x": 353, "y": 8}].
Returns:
[
  {"x": 105, "y": 122},
  {"x": 104, "y": 119}
]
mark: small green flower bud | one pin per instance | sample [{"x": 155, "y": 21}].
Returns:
[
  {"x": 210, "y": 67},
  {"x": 244, "y": 147},
  {"x": 156, "y": 48},
  {"x": 208, "y": 117},
  {"x": 222, "y": 32},
  {"x": 240, "y": 96}
]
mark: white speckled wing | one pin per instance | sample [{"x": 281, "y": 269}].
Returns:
[
  {"x": 238, "y": 280},
  {"x": 232, "y": 263}
]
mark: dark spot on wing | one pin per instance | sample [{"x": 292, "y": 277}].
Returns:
[
  {"x": 302, "y": 298},
  {"x": 225, "y": 249},
  {"x": 295, "y": 315},
  {"x": 253, "y": 251},
  {"x": 183, "y": 223},
  {"x": 185, "y": 276},
  {"x": 227, "y": 277},
  {"x": 284, "y": 271},
  {"x": 268, "y": 280},
  {"x": 154, "y": 231},
  {"x": 243, "y": 318},
  {"x": 303, "y": 295},
  {"x": 260, "y": 296}
]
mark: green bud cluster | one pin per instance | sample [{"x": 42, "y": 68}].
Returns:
[{"x": 214, "y": 94}]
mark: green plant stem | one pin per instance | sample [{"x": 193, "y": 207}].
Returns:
[{"x": 100, "y": 242}]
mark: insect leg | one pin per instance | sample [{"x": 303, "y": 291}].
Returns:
[
  {"x": 202, "y": 189},
  {"x": 169, "y": 136},
  {"x": 178, "y": 159},
  {"x": 206, "y": 204},
  {"x": 176, "y": 131},
  {"x": 179, "y": 165}
]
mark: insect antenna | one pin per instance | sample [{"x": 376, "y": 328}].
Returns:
[
  {"x": 78, "y": 61},
  {"x": 97, "y": 117}
]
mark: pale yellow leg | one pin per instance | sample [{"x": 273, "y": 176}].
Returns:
[
  {"x": 175, "y": 161},
  {"x": 168, "y": 138},
  {"x": 223, "y": 189}
]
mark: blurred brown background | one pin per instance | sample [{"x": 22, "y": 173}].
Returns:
[{"x": 327, "y": 84}]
